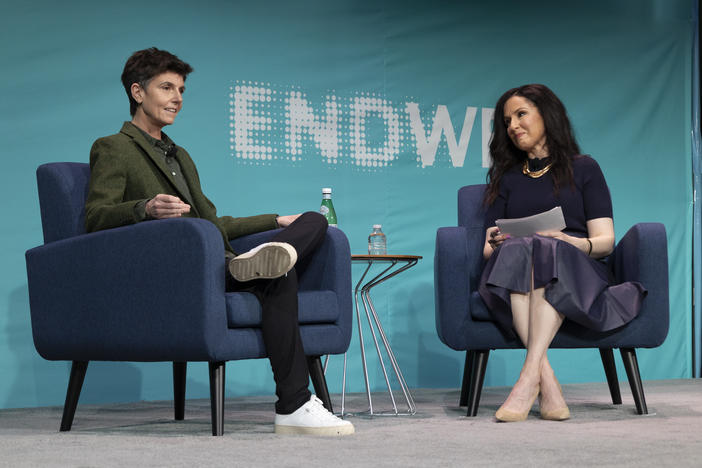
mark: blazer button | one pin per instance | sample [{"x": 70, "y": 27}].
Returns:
[{"x": 173, "y": 173}]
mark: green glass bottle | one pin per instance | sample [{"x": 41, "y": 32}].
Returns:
[{"x": 327, "y": 208}]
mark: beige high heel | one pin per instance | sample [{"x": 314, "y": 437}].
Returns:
[
  {"x": 558, "y": 414},
  {"x": 504, "y": 415}
]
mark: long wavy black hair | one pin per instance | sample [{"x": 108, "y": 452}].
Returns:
[{"x": 560, "y": 139}]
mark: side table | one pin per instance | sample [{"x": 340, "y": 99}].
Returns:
[{"x": 392, "y": 265}]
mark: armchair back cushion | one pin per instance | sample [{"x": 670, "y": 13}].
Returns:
[{"x": 63, "y": 189}]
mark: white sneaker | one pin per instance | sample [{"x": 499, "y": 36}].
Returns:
[
  {"x": 269, "y": 260},
  {"x": 312, "y": 418}
]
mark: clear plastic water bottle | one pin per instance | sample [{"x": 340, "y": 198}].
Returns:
[
  {"x": 327, "y": 207},
  {"x": 377, "y": 242}
]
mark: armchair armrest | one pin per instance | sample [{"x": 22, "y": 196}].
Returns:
[
  {"x": 642, "y": 255},
  {"x": 452, "y": 282},
  {"x": 146, "y": 292},
  {"x": 328, "y": 268}
]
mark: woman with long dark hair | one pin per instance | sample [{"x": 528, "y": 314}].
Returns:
[{"x": 532, "y": 284}]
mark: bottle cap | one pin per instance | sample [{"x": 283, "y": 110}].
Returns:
[
  {"x": 326, "y": 190},
  {"x": 377, "y": 226}
]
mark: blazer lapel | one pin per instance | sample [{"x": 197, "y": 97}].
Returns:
[{"x": 130, "y": 130}]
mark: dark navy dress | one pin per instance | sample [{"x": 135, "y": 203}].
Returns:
[{"x": 579, "y": 287}]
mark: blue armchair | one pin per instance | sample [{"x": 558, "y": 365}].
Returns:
[
  {"x": 154, "y": 291},
  {"x": 463, "y": 321}
]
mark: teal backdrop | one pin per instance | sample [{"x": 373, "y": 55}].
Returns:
[{"x": 387, "y": 102}]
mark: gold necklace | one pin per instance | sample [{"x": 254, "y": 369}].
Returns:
[{"x": 535, "y": 174}]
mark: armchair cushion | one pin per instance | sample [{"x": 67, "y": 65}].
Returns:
[
  {"x": 478, "y": 309},
  {"x": 244, "y": 310}
]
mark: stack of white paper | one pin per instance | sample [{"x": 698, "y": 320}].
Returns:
[{"x": 551, "y": 220}]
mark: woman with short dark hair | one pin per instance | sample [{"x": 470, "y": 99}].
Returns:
[{"x": 532, "y": 284}]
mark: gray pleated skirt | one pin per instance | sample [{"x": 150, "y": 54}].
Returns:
[{"x": 579, "y": 287}]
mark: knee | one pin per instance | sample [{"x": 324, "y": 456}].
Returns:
[{"x": 314, "y": 218}]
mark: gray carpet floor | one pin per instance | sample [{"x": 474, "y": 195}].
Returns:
[{"x": 144, "y": 434}]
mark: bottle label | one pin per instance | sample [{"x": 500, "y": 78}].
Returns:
[
  {"x": 333, "y": 225},
  {"x": 324, "y": 209}
]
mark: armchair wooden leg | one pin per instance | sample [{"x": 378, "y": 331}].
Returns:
[
  {"x": 75, "y": 384},
  {"x": 466, "y": 378},
  {"x": 314, "y": 364},
  {"x": 180, "y": 370},
  {"x": 610, "y": 369},
  {"x": 632, "y": 372},
  {"x": 217, "y": 397},
  {"x": 477, "y": 376}
]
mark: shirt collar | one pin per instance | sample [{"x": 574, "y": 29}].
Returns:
[{"x": 163, "y": 145}]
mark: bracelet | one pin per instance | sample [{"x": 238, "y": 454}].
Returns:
[{"x": 589, "y": 251}]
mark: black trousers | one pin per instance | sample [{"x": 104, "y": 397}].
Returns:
[{"x": 280, "y": 327}]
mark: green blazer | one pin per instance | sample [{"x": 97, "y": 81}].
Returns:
[{"x": 126, "y": 169}]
